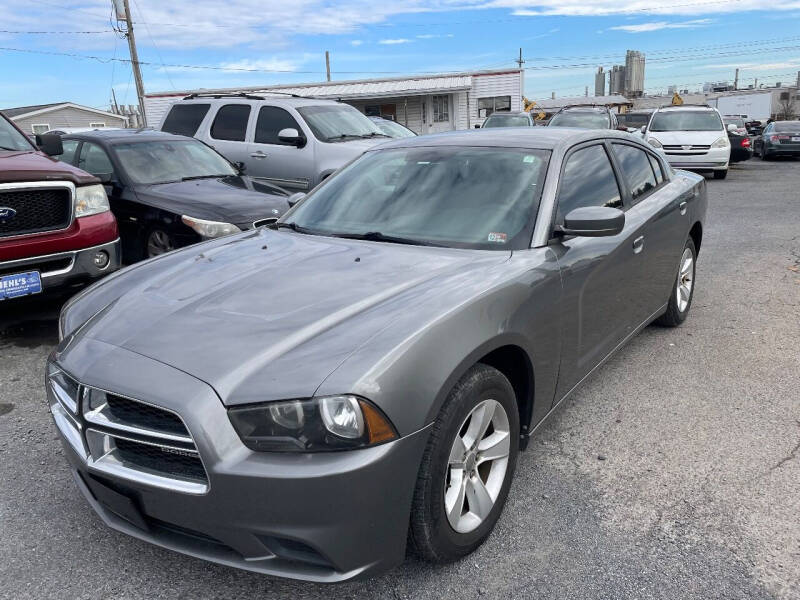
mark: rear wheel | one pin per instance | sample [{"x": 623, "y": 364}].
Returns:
[
  {"x": 158, "y": 241},
  {"x": 680, "y": 300},
  {"x": 721, "y": 174},
  {"x": 467, "y": 467}
]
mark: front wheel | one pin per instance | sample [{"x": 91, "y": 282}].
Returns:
[
  {"x": 721, "y": 174},
  {"x": 158, "y": 241},
  {"x": 680, "y": 300},
  {"x": 467, "y": 467}
]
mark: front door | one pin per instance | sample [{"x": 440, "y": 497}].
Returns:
[
  {"x": 439, "y": 113},
  {"x": 599, "y": 288},
  {"x": 280, "y": 163}
]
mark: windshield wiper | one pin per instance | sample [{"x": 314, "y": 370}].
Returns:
[
  {"x": 344, "y": 136},
  {"x": 377, "y": 236},
  {"x": 293, "y": 226},
  {"x": 190, "y": 177},
  {"x": 373, "y": 134}
]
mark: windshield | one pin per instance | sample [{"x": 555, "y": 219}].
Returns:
[
  {"x": 11, "y": 138},
  {"x": 630, "y": 120},
  {"x": 686, "y": 120},
  {"x": 497, "y": 120},
  {"x": 586, "y": 120},
  {"x": 786, "y": 126},
  {"x": 338, "y": 122},
  {"x": 738, "y": 121},
  {"x": 461, "y": 197},
  {"x": 393, "y": 129},
  {"x": 168, "y": 161}
]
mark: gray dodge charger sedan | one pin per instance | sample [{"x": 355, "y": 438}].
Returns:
[{"x": 301, "y": 400}]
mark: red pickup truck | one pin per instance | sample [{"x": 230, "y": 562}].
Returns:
[{"x": 56, "y": 227}]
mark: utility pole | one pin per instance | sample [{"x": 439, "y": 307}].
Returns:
[
  {"x": 327, "y": 63},
  {"x": 736, "y": 80},
  {"x": 755, "y": 83},
  {"x": 137, "y": 74},
  {"x": 519, "y": 61}
]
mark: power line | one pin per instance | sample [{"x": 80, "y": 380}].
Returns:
[{"x": 53, "y": 32}]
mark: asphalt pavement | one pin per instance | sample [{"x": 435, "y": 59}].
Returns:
[{"x": 674, "y": 472}]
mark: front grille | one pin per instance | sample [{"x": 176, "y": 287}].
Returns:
[
  {"x": 37, "y": 210},
  {"x": 145, "y": 416},
  {"x": 162, "y": 459},
  {"x": 693, "y": 147},
  {"x": 43, "y": 266}
]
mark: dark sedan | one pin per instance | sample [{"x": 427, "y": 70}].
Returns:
[
  {"x": 303, "y": 399},
  {"x": 169, "y": 191},
  {"x": 779, "y": 138},
  {"x": 741, "y": 147}
]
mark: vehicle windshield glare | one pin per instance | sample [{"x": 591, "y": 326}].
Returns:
[
  {"x": 462, "y": 197},
  {"x": 165, "y": 161},
  {"x": 686, "y": 120},
  {"x": 498, "y": 120},
  {"x": 393, "y": 129},
  {"x": 334, "y": 122},
  {"x": 11, "y": 138},
  {"x": 583, "y": 119},
  {"x": 786, "y": 126}
]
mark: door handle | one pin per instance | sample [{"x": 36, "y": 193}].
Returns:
[
  {"x": 258, "y": 154},
  {"x": 638, "y": 244},
  {"x": 682, "y": 207}
]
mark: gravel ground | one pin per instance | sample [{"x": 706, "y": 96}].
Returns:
[{"x": 673, "y": 473}]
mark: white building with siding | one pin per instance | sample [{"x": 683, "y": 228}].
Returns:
[
  {"x": 62, "y": 115},
  {"x": 424, "y": 104}
]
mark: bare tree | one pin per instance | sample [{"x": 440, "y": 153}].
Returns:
[{"x": 786, "y": 109}]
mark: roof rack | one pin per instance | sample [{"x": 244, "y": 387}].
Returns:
[
  {"x": 242, "y": 95},
  {"x": 706, "y": 105}
]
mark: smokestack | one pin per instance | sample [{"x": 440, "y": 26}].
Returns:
[{"x": 552, "y": 95}]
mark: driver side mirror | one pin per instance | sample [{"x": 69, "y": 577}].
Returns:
[
  {"x": 295, "y": 198},
  {"x": 643, "y": 129},
  {"x": 593, "y": 221},
  {"x": 50, "y": 144},
  {"x": 291, "y": 136}
]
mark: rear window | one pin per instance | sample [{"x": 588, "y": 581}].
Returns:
[
  {"x": 231, "y": 122},
  {"x": 583, "y": 119},
  {"x": 500, "y": 120},
  {"x": 184, "y": 119},
  {"x": 633, "y": 120},
  {"x": 786, "y": 126}
]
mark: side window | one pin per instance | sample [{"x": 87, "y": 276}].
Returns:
[
  {"x": 656, "y": 169},
  {"x": 271, "y": 120},
  {"x": 93, "y": 159},
  {"x": 68, "y": 156},
  {"x": 184, "y": 119},
  {"x": 588, "y": 180},
  {"x": 231, "y": 122},
  {"x": 636, "y": 169}
]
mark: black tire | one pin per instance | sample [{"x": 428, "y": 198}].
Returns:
[
  {"x": 674, "y": 315},
  {"x": 430, "y": 534},
  {"x": 157, "y": 237},
  {"x": 764, "y": 155},
  {"x": 721, "y": 174}
]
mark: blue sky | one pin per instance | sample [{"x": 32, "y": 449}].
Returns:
[{"x": 255, "y": 42}]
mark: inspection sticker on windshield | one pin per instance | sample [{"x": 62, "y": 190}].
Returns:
[
  {"x": 498, "y": 238},
  {"x": 528, "y": 158}
]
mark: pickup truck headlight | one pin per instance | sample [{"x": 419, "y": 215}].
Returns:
[
  {"x": 210, "y": 229},
  {"x": 90, "y": 200},
  {"x": 722, "y": 142},
  {"x": 313, "y": 425},
  {"x": 654, "y": 143}
]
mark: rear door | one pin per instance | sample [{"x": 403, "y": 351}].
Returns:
[
  {"x": 280, "y": 163},
  {"x": 227, "y": 132},
  {"x": 600, "y": 277}
]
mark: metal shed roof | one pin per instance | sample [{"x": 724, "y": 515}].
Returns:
[
  {"x": 599, "y": 100},
  {"x": 372, "y": 89}
]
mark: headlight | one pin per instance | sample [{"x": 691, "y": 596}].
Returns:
[
  {"x": 90, "y": 200},
  {"x": 314, "y": 425},
  {"x": 210, "y": 229},
  {"x": 654, "y": 143},
  {"x": 721, "y": 142}
]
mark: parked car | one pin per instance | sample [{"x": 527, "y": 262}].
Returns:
[
  {"x": 56, "y": 228},
  {"x": 509, "y": 119},
  {"x": 392, "y": 129},
  {"x": 169, "y": 191},
  {"x": 692, "y": 137},
  {"x": 754, "y": 127},
  {"x": 737, "y": 121},
  {"x": 585, "y": 117},
  {"x": 779, "y": 138},
  {"x": 287, "y": 140},
  {"x": 301, "y": 401},
  {"x": 741, "y": 147}
]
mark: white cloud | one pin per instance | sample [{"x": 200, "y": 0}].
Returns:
[
  {"x": 356, "y": 42},
  {"x": 633, "y": 7},
  {"x": 392, "y": 42},
  {"x": 261, "y": 64},
  {"x": 658, "y": 25},
  {"x": 433, "y": 36},
  {"x": 791, "y": 63}
]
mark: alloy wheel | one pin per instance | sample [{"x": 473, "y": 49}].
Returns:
[
  {"x": 159, "y": 242},
  {"x": 685, "y": 280},
  {"x": 477, "y": 466}
]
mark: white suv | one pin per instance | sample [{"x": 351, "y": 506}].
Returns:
[{"x": 692, "y": 137}]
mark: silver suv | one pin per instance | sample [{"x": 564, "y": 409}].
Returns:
[{"x": 291, "y": 141}]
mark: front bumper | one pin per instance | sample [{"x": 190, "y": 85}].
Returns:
[
  {"x": 64, "y": 268},
  {"x": 702, "y": 160},
  {"x": 322, "y": 517}
]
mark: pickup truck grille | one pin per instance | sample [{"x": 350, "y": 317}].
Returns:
[{"x": 37, "y": 210}]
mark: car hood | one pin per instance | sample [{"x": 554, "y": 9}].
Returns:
[
  {"x": 268, "y": 315},
  {"x": 679, "y": 138},
  {"x": 30, "y": 165},
  {"x": 233, "y": 199}
]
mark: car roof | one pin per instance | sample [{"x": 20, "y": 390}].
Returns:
[
  {"x": 687, "y": 107},
  {"x": 544, "y": 138},
  {"x": 586, "y": 107},
  {"x": 123, "y": 135},
  {"x": 278, "y": 100},
  {"x": 520, "y": 113}
]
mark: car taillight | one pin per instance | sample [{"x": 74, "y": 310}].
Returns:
[
  {"x": 746, "y": 143},
  {"x": 775, "y": 138}
]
